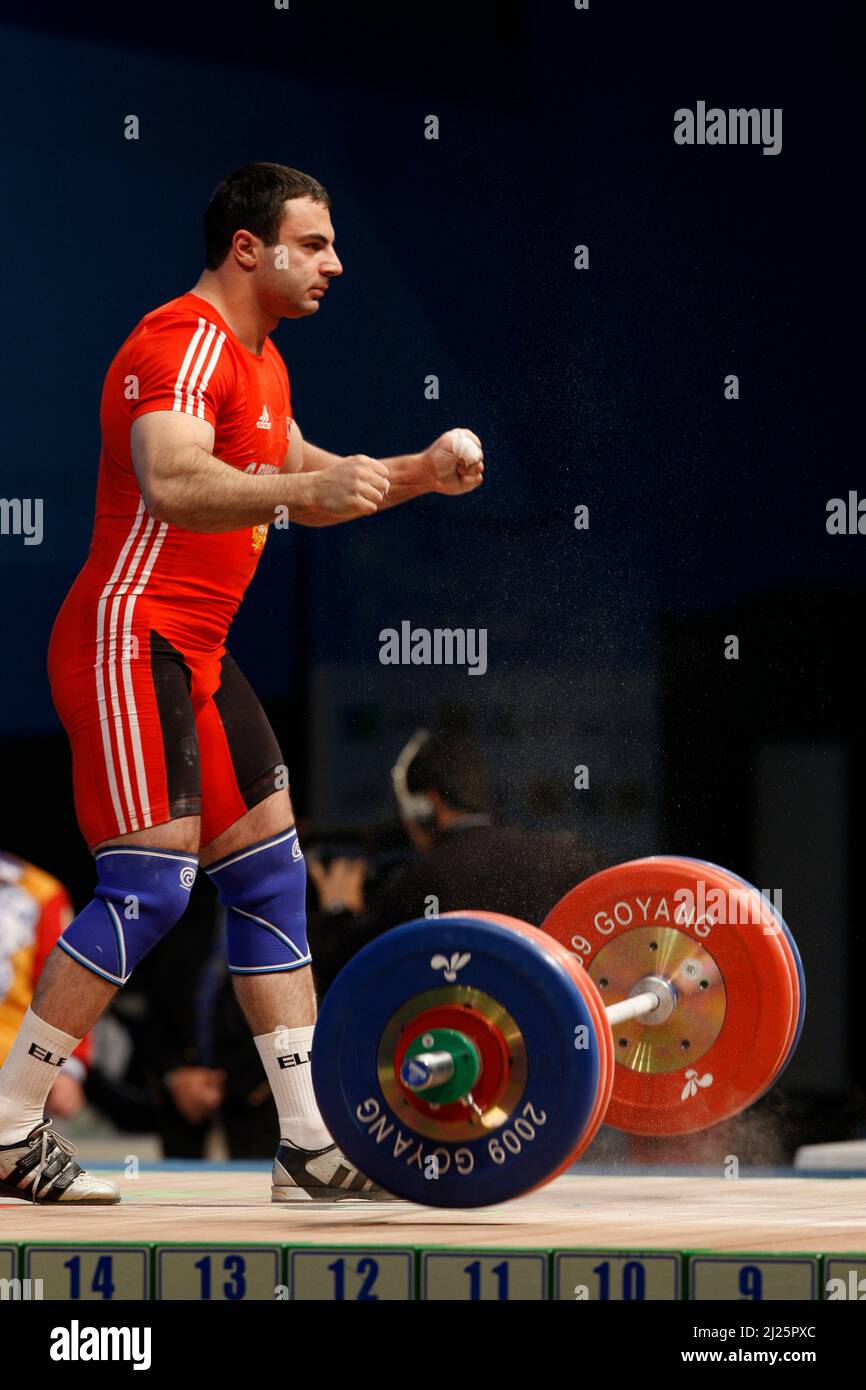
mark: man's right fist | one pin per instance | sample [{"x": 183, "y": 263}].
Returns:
[{"x": 356, "y": 486}]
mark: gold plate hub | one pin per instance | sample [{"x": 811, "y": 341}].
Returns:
[
  {"x": 701, "y": 1001},
  {"x": 475, "y": 1125}
]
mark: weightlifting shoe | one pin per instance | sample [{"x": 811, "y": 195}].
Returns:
[
  {"x": 321, "y": 1175},
  {"x": 42, "y": 1168}
]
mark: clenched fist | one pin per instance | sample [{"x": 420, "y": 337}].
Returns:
[
  {"x": 454, "y": 463},
  {"x": 356, "y": 486}
]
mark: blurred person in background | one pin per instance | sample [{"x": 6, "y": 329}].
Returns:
[
  {"x": 464, "y": 858},
  {"x": 34, "y": 909}
]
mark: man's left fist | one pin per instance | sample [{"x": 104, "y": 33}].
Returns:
[{"x": 455, "y": 462}]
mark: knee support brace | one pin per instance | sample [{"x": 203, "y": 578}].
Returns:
[
  {"x": 263, "y": 889},
  {"x": 139, "y": 896}
]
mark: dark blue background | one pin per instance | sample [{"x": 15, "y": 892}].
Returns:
[{"x": 602, "y": 387}]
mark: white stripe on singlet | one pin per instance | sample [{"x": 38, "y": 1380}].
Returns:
[{"x": 102, "y": 703}]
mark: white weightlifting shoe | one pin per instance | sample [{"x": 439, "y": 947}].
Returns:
[
  {"x": 323, "y": 1175},
  {"x": 42, "y": 1168}
]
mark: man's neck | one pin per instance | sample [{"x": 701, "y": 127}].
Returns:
[{"x": 242, "y": 316}]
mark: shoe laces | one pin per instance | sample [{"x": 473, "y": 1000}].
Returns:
[{"x": 49, "y": 1140}]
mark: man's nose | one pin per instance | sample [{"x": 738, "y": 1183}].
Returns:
[{"x": 333, "y": 266}]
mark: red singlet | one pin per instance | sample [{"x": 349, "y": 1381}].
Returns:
[{"x": 146, "y": 619}]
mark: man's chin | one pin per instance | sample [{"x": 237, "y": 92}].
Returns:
[{"x": 300, "y": 311}]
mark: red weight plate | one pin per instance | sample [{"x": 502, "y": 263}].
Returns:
[
  {"x": 795, "y": 989},
  {"x": 596, "y": 1007},
  {"x": 735, "y": 1008},
  {"x": 747, "y": 901},
  {"x": 769, "y": 921}
]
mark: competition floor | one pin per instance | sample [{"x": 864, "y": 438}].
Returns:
[
  {"x": 228, "y": 1206},
  {"x": 637, "y": 1213}
]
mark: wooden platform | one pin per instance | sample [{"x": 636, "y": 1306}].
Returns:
[
  {"x": 817, "y": 1215},
  {"x": 204, "y": 1234}
]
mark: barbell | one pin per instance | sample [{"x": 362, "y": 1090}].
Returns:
[{"x": 465, "y": 1059}]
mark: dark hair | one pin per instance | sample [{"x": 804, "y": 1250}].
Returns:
[
  {"x": 452, "y": 766},
  {"x": 252, "y": 197}
]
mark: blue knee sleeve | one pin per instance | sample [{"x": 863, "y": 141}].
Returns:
[
  {"x": 140, "y": 895},
  {"x": 263, "y": 889}
]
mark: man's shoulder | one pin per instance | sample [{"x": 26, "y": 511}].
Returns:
[
  {"x": 182, "y": 337},
  {"x": 185, "y": 311},
  {"x": 183, "y": 315}
]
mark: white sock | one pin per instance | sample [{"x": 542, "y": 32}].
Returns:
[
  {"x": 27, "y": 1075},
  {"x": 286, "y": 1056}
]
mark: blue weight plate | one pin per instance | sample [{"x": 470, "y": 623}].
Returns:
[
  {"x": 456, "y": 960},
  {"x": 801, "y": 976}
]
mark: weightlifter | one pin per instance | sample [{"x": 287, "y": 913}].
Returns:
[{"x": 174, "y": 762}]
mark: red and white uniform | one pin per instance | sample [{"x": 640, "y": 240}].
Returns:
[{"x": 148, "y": 615}]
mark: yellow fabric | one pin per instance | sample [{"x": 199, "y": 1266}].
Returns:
[{"x": 24, "y": 892}]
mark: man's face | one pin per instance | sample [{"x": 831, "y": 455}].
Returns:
[{"x": 294, "y": 275}]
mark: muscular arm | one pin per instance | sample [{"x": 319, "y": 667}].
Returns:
[{"x": 182, "y": 483}]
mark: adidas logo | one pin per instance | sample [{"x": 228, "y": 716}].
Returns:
[{"x": 264, "y": 420}]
